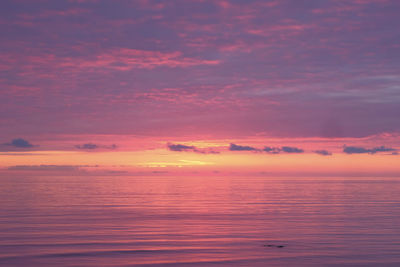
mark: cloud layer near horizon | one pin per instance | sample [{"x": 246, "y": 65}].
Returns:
[
  {"x": 270, "y": 150},
  {"x": 186, "y": 148},
  {"x": 92, "y": 146}
]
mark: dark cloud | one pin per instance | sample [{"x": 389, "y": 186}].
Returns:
[
  {"x": 185, "y": 148},
  {"x": 267, "y": 149},
  {"x": 272, "y": 150},
  {"x": 383, "y": 149},
  {"x": 180, "y": 147},
  {"x": 234, "y": 147},
  {"x": 91, "y": 146},
  {"x": 323, "y": 152},
  {"x": 362, "y": 150},
  {"x": 289, "y": 149},
  {"x": 20, "y": 143},
  {"x": 87, "y": 146},
  {"x": 355, "y": 150}
]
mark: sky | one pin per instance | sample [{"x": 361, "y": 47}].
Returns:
[{"x": 240, "y": 86}]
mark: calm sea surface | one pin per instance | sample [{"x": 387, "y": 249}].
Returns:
[{"x": 199, "y": 221}]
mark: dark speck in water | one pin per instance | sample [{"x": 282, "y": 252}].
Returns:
[{"x": 275, "y": 246}]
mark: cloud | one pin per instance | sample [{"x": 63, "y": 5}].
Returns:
[
  {"x": 145, "y": 50},
  {"x": 362, "y": 150},
  {"x": 180, "y": 147},
  {"x": 355, "y": 150},
  {"x": 272, "y": 150},
  {"x": 87, "y": 146},
  {"x": 20, "y": 143},
  {"x": 383, "y": 149},
  {"x": 267, "y": 149},
  {"x": 91, "y": 146},
  {"x": 289, "y": 149},
  {"x": 17, "y": 145},
  {"x": 185, "y": 148},
  {"x": 124, "y": 59},
  {"x": 323, "y": 152},
  {"x": 234, "y": 147}
]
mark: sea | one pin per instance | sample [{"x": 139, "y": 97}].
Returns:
[{"x": 199, "y": 221}]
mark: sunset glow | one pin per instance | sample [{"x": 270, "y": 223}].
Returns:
[
  {"x": 199, "y": 133},
  {"x": 95, "y": 83}
]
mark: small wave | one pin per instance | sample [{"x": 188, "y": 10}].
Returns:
[{"x": 99, "y": 253}]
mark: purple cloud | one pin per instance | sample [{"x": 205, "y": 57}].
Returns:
[
  {"x": 362, "y": 150},
  {"x": 17, "y": 144},
  {"x": 180, "y": 147},
  {"x": 234, "y": 147},
  {"x": 20, "y": 143},
  {"x": 87, "y": 146},
  {"x": 289, "y": 149},
  {"x": 91, "y": 146},
  {"x": 185, "y": 148},
  {"x": 272, "y": 150},
  {"x": 267, "y": 149}
]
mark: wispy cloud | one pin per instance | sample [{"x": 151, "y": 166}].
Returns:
[
  {"x": 127, "y": 59},
  {"x": 227, "y": 69},
  {"x": 87, "y": 146},
  {"x": 92, "y": 146}
]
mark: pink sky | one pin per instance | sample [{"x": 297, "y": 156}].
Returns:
[{"x": 291, "y": 80}]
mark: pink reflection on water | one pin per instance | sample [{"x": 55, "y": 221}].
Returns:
[{"x": 231, "y": 221}]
